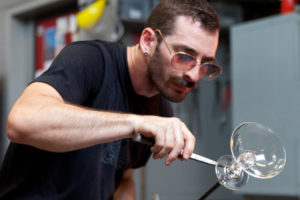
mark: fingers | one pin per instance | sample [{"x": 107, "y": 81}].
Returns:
[
  {"x": 171, "y": 137},
  {"x": 167, "y": 146},
  {"x": 173, "y": 140},
  {"x": 159, "y": 145},
  {"x": 184, "y": 146},
  {"x": 177, "y": 146},
  {"x": 189, "y": 143}
]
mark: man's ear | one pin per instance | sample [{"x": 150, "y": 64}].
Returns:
[{"x": 147, "y": 41}]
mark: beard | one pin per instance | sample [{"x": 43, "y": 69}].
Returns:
[{"x": 158, "y": 75}]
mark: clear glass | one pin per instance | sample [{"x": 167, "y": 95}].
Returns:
[
  {"x": 256, "y": 150},
  {"x": 229, "y": 174}
]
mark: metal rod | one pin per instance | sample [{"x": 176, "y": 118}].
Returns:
[
  {"x": 202, "y": 159},
  {"x": 211, "y": 190}
]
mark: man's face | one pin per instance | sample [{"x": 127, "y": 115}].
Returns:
[{"x": 188, "y": 37}]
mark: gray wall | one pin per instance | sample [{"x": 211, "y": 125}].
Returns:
[
  {"x": 266, "y": 76},
  {"x": 4, "y": 67},
  {"x": 16, "y": 56}
]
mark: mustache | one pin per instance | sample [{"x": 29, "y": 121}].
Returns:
[{"x": 184, "y": 82}]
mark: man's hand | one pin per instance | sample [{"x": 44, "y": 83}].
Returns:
[{"x": 170, "y": 134}]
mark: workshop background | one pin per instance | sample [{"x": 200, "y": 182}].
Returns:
[{"x": 260, "y": 55}]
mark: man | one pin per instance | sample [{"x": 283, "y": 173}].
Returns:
[{"x": 71, "y": 128}]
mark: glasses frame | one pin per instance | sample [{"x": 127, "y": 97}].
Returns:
[{"x": 198, "y": 61}]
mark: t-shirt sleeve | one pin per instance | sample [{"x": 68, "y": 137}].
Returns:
[
  {"x": 141, "y": 153},
  {"x": 75, "y": 72}
]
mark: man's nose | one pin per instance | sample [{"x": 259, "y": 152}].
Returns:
[{"x": 193, "y": 74}]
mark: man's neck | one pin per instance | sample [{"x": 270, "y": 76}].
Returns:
[{"x": 138, "y": 70}]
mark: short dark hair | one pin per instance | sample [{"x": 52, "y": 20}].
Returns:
[{"x": 164, "y": 15}]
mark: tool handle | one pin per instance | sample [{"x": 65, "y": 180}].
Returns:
[{"x": 143, "y": 140}]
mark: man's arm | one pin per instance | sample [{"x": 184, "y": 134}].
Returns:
[
  {"x": 42, "y": 119},
  {"x": 125, "y": 190}
]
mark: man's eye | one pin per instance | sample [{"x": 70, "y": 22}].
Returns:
[
  {"x": 184, "y": 57},
  {"x": 207, "y": 61}
]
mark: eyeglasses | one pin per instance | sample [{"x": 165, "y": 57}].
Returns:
[{"x": 184, "y": 62}]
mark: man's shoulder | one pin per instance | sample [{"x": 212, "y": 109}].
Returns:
[
  {"x": 99, "y": 44},
  {"x": 100, "y": 49}
]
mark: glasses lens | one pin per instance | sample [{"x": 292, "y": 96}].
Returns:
[
  {"x": 183, "y": 61},
  {"x": 210, "y": 71}
]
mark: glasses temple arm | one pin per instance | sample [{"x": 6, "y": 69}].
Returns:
[{"x": 157, "y": 30}]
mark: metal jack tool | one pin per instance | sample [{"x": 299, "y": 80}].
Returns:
[{"x": 149, "y": 141}]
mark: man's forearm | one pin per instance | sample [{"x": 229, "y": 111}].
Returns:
[{"x": 53, "y": 125}]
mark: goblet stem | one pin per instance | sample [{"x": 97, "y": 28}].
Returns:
[
  {"x": 233, "y": 171},
  {"x": 229, "y": 173}
]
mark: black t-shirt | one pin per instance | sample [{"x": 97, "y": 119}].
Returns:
[{"x": 93, "y": 74}]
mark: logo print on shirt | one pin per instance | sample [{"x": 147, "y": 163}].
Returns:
[{"x": 111, "y": 152}]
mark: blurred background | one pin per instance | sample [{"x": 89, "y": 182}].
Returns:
[{"x": 260, "y": 54}]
